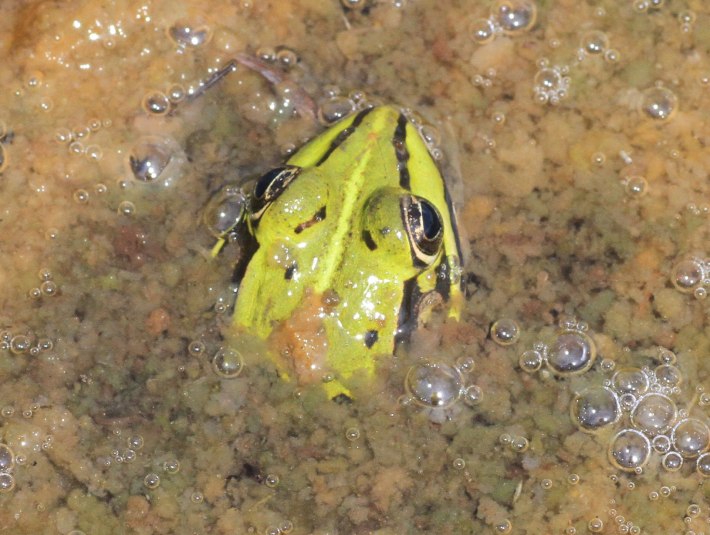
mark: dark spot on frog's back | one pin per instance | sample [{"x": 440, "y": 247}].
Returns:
[
  {"x": 290, "y": 270},
  {"x": 367, "y": 238},
  {"x": 371, "y": 337},
  {"x": 317, "y": 218}
]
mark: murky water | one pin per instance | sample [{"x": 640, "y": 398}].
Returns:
[{"x": 579, "y": 134}]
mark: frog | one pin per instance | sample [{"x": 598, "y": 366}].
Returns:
[{"x": 348, "y": 238}]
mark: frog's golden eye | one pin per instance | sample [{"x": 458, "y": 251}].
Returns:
[
  {"x": 270, "y": 186},
  {"x": 424, "y": 228}
]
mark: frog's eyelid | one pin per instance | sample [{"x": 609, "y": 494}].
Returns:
[{"x": 270, "y": 186}]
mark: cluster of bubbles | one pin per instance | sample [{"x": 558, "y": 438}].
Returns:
[
  {"x": 623, "y": 524},
  {"x": 551, "y": 83},
  {"x": 227, "y": 362},
  {"x": 438, "y": 387},
  {"x": 508, "y": 17},
  {"x": 156, "y": 158},
  {"x": 76, "y": 139},
  {"x": 692, "y": 276},
  {"x": 284, "y": 528},
  {"x": 156, "y": 102},
  {"x": 516, "y": 443},
  {"x": 283, "y": 56},
  {"x": 129, "y": 454},
  {"x": 644, "y": 399},
  {"x": 7, "y": 465},
  {"x": 573, "y": 351},
  {"x": 168, "y": 466},
  {"x": 47, "y": 286},
  {"x": 25, "y": 343}
]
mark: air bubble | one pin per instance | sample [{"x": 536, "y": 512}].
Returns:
[
  {"x": 225, "y": 211},
  {"x": 434, "y": 385},
  {"x": 505, "y": 332},
  {"x": 185, "y": 35},
  {"x": 149, "y": 158},
  {"x": 171, "y": 466},
  {"x": 355, "y": 5},
  {"x": 352, "y": 434},
  {"x": 661, "y": 443},
  {"x": 286, "y": 57},
  {"x": 546, "y": 484},
  {"x": 126, "y": 208},
  {"x": 595, "y": 525},
  {"x": 635, "y": 186},
  {"x": 504, "y": 526},
  {"x": 197, "y": 497},
  {"x": 702, "y": 465},
  {"x": 7, "y": 458},
  {"x": 519, "y": 444},
  {"x": 668, "y": 375},
  {"x": 482, "y": 31},
  {"x": 654, "y": 414},
  {"x": 672, "y": 461},
  {"x": 48, "y": 288},
  {"x": 595, "y": 408},
  {"x": 473, "y": 395},
  {"x": 151, "y": 481},
  {"x": 687, "y": 274},
  {"x": 594, "y": 42},
  {"x": 227, "y": 363},
  {"x": 515, "y": 16},
  {"x": 530, "y": 361},
  {"x": 573, "y": 352},
  {"x": 196, "y": 348},
  {"x": 20, "y": 344},
  {"x": 81, "y": 196},
  {"x": 176, "y": 93},
  {"x": 135, "y": 442},
  {"x": 156, "y": 103},
  {"x": 629, "y": 449},
  {"x": 691, "y": 437},
  {"x": 93, "y": 152},
  {"x": 659, "y": 103},
  {"x": 7, "y": 482},
  {"x": 271, "y": 481},
  {"x": 573, "y": 479},
  {"x": 550, "y": 85}
]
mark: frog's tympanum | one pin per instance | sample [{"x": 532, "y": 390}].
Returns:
[{"x": 350, "y": 235}]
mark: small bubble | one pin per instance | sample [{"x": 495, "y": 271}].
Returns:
[
  {"x": 151, "y": 481},
  {"x": 227, "y": 363},
  {"x": 76, "y": 148},
  {"x": 272, "y": 530},
  {"x": 505, "y": 332},
  {"x": 352, "y": 434},
  {"x": 186, "y": 35},
  {"x": 665, "y": 491},
  {"x": 81, "y": 196},
  {"x": 595, "y": 42},
  {"x": 465, "y": 364},
  {"x": 607, "y": 365},
  {"x": 197, "y": 497},
  {"x": 458, "y": 464},
  {"x": 135, "y": 442},
  {"x": 504, "y": 526},
  {"x": 100, "y": 189},
  {"x": 225, "y": 211},
  {"x": 546, "y": 484},
  {"x": 94, "y": 125},
  {"x": 595, "y": 525},
  {"x": 598, "y": 159},
  {"x": 515, "y": 16},
  {"x": 672, "y": 461},
  {"x": 271, "y": 481},
  {"x": 661, "y": 443},
  {"x": 434, "y": 385},
  {"x": 498, "y": 118},
  {"x": 687, "y": 275},
  {"x": 7, "y": 411},
  {"x": 693, "y": 510},
  {"x": 156, "y": 103},
  {"x": 286, "y": 526},
  {"x": 63, "y": 135},
  {"x": 196, "y": 348},
  {"x": 659, "y": 103},
  {"x": 640, "y": 6},
  {"x": 7, "y": 482},
  {"x": 472, "y": 395},
  {"x": 636, "y": 186},
  {"x": 286, "y": 57},
  {"x": 702, "y": 465},
  {"x": 687, "y": 17},
  {"x": 20, "y": 344},
  {"x": 35, "y": 293},
  {"x": 668, "y": 375},
  {"x": 126, "y": 208},
  {"x": 129, "y": 456},
  {"x": 573, "y": 479},
  {"x": 482, "y": 31},
  {"x": 530, "y": 361},
  {"x": 176, "y": 93},
  {"x": 612, "y": 55},
  {"x": 48, "y": 288},
  {"x": 171, "y": 466},
  {"x": 93, "y": 152},
  {"x": 519, "y": 444},
  {"x": 653, "y": 495}
]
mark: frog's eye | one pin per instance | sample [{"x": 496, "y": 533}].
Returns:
[
  {"x": 270, "y": 186},
  {"x": 424, "y": 227}
]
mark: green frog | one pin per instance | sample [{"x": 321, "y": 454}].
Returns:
[{"x": 347, "y": 240}]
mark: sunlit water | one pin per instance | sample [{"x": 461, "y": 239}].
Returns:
[{"x": 571, "y": 398}]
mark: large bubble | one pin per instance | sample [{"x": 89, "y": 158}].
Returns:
[
  {"x": 434, "y": 385},
  {"x": 572, "y": 352},
  {"x": 654, "y": 414},
  {"x": 691, "y": 437},
  {"x": 629, "y": 450},
  {"x": 595, "y": 408}
]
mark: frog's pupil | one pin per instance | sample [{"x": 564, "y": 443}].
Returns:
[{"x": 430, "y": 220}]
